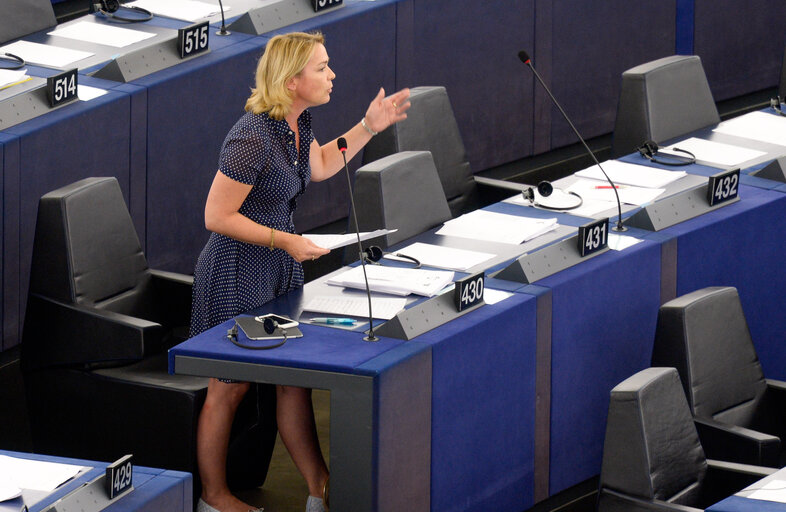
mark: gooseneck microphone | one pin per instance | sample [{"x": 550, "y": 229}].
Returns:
[
  {"x": 526, "y": 60},
  {"x": 223, "y": 31},
  {"x": 342, "y": 147}
]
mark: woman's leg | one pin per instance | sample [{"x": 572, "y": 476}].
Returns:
[
  {"x": 213, "y": 430},
  {"x": 295, "y": 416}
]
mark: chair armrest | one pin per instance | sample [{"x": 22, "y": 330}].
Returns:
[
  {"x": 737, "y": 444},
  {"x": 726, "y": 478},
  {"x": 62, "y": 334},
  {"x": 755, "y": 472},
  {"x": 613, "y": 501},
  {"x": 173, "y": 293}
]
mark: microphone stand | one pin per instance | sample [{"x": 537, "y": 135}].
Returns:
[
  {"x": 526, "y": 60},
  {"x": 342, "y": 147},
  {"x": 223, "y": 31}
]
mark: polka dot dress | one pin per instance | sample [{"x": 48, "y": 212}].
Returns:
[{"x": 232, "y": 277}]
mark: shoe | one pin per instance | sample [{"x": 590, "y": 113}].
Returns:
[
  {"x": 204, "y": 507},
  {"x": 315, "y": 504}
]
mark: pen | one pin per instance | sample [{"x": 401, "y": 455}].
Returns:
[
  {"x": 599, "y": 187},
  {"x": 334, "y": 321}
]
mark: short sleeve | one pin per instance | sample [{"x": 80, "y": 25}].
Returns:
[{"x": 243, "y": 156}]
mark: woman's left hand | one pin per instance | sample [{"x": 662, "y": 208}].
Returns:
[{"x": 382, "y": 112}]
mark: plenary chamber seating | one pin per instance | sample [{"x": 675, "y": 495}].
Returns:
[
  {"x": 94, "y": 346},
  {"x": 661, "y": 100},
  {"x": 740, "y": 415},
  {"x": 431, "y": 126},
  {"x": 652, "y": 457}
]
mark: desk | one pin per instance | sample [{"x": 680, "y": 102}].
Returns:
[{"x": 155, "y": 490}]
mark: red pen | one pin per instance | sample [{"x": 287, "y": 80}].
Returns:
[{"x": 599, "y": 187}]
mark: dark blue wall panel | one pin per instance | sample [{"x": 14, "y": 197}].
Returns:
[
  {"x": 471, "y": 48},
  {"x": 740, "y": 44}
]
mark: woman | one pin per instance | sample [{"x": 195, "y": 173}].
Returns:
[{"x": 253, "y": 255}]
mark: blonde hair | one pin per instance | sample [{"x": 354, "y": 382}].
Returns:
[{"x": 285, "y": 56}]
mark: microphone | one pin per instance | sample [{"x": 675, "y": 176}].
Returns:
[
  {"x": 342, "y": 147},
  {"x": 223, "y": 31},
  {"x": 524, "y": 56}
]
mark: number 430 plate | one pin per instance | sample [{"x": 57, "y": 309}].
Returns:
[{"x": 469, "y": 291}]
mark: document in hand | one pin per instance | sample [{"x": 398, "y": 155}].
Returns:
[
  {"x": 335, "y": 241},
  {"x": 497, "y": 227},
  {"x": 395, "y": 280},
  {"x": 623, "y": 173}
]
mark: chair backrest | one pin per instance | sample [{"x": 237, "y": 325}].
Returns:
[
  {"x": 660, "y": 100},
  {"x": 782, "y": 86},
  {"x": 19, "y": 18},
  {"x": 86, "y": 250},
  {"x": 705, "y": 336},
  {"x": 652, "y": 450},
  {"x": 400, "y": 191},
  {"x": 431, "y": 126}
]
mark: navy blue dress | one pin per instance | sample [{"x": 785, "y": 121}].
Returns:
[{"x": 231, "y": 276}]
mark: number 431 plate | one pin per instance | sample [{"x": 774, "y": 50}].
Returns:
[{"x": 593, "y": 237}]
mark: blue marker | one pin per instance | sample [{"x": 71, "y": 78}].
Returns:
[{"x": 334, "y": 321}]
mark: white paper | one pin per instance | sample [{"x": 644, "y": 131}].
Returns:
[
  {"x": 87, "y": 93},
  {"x": 442, "y": 257},
  {"x": 757, "y": 126},
  {"x": 384, "y": 308},
  {"x": 601, "y": 191},
  {"x": 9, "y": 492},
  {"x": 491, "y": 296},
  {"x": 394, "y": 280},
  {"x": 335, "y": 241},
  {"x": 44, "y": 54},
  {"x": 623, "y": 173},
  {"x": 497, "y": 227},
  {"x": 621, "y": 242},
  {"x": 188, "y": 10},
  {"x": 107, "y": 35},
  {"x": 713, "y": 152},
  {"x": 11, "y": 76},
  {"x": 34, "y": 474},
  {"x": 774, "y": 490}
]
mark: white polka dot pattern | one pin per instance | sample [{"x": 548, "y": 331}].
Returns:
[{"x": 231, "y": 276}]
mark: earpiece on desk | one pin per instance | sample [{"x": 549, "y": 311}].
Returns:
[
  {"x": 270, "y": 325},
  {"x": 544, "y": 189}
]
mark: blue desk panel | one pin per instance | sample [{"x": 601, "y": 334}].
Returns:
[{"x": 740, "y": 504}]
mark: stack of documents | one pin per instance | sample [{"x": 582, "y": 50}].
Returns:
[
  {"x": 356, "y": 305},
  {"x": 497, "y": 227},
  {"x": 623, "y": 173},
  {"x": 394, "y": 280},
  {"x": 591, "y": 190},
  {"x": 96, "y": 33},
  {"x": 188, "y": 10},
  {"x": 11, "y": 77},
  {"x": 442, "y": 257},
  {"x": 336, "y": 241},
  {"x": 757, "y": 126},
  {"x": 45, "y": 54},
  {"x": 17, "y": 474},
  {"x": 712, "y": 152}
]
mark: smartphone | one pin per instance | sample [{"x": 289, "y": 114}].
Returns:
[{"x": 282, "y": 321}]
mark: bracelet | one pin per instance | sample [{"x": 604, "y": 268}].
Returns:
[
  {"x": 369, "y": 130},
  {"x": 272, "y": 238}
]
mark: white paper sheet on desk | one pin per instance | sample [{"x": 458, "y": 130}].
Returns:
[
  {"x": 384, "y": 308},
  {"x": 497, "y": 227},
  {"x": 329, "y": 241},
  {"x": 9, "y": 492},
  {"x": 87, "y": 93},
  {"x": 621, "y": 242},
  {"x": 44, "y": 54},
  {"x": 623, "y": 173},
  {"x": 188, "y": 10},
  {"x": 438, "y": 256},
  {"x": 629, "y": 194},
  {"x": 11, "y": 76},
  {"x": 713, "y": 152},
  {"x": 757, "y": 126},
  {"x": 774, "y": 490},
  {"x": 106, "y": 35},
  {"x": 394, "y": 280},
  {"x": 35, "y": 474}
]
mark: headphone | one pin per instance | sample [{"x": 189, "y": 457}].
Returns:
[
  {"x": 545, "y": 189},
  {"x": 18, "y": 62},
  {"x": 775, "y": 104},
  {"x": 649, "y": 150},
  {"x": 109, "y": 7},
  {"x": 270, "y": 326},
  {"x": 373, "y": 254}
]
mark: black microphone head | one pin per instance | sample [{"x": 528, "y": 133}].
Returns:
[
  {"x": 342, "y": 144},
  {"x": 524, "y": 56},
  {"x": 545, "y": 189},
  {"x": 270, "y": 325}
]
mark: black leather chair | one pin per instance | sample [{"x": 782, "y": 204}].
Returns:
[
  {"x": 740, "y": 415},
  {"x": 782, "y": 85},
  {"x": 400, "y": 191},
  {"x": 95, "y": 339},
  {"x": 661, "y": 100},
  {"x": 652, "y": 457},
  {"x": 431, "y": 126}
]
